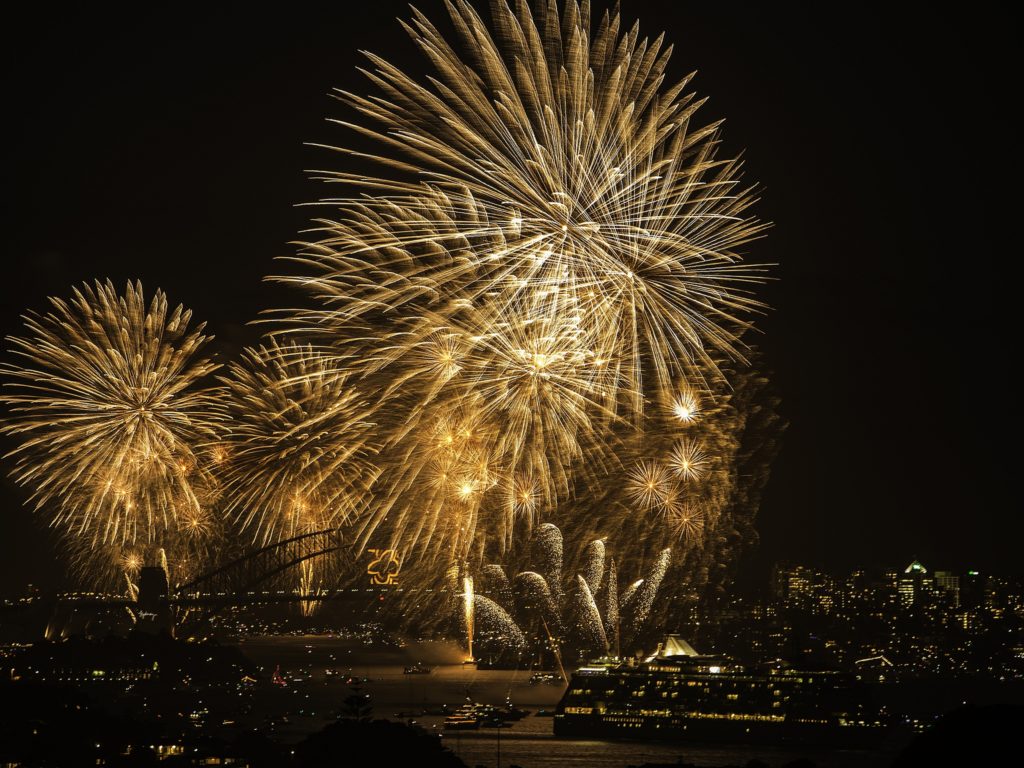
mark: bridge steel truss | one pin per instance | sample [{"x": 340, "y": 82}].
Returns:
[{"x": 230, "y": 583}]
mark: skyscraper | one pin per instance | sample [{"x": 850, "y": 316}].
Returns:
[
  {"x": 947, "y": 583},
  {"x": 914, "y": 584}
]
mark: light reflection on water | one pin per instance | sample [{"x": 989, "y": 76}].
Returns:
[{"x": 528, "y": 743}]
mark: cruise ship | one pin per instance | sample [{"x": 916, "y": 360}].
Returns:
[{"x": 682, "y": 695}]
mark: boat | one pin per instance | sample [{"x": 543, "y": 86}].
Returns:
[
  {"x": 678, "y": 694},
  {"x": 511, "y": 713},
  {"x": 472, "y": 716},
  {"x": 418, "y": 669},
  {"x": 457, "y": 723},
  {"x": 545, "y": 678}
]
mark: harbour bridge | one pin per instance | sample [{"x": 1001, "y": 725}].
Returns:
[{"x": 245, "y": 580}]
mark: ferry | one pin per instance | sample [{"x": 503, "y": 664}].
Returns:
[
  {"x": 545, "y": 678},
  {"x": 678, "y": 694},
  {"x": 418, "y": 669},
  {"x": 472, "y": 716}
]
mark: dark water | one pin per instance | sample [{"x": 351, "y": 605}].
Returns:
[{"x": 529, "y": 743}]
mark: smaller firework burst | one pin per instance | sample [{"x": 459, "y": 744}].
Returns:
[
  {"x": 688, "y": 460},
  {"x": 685, "y": 408},
  {"x": 649, "y": 484},
  {"x": 687, "y": 522}
]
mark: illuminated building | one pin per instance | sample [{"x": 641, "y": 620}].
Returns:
[
  {"x": 949, "y": 584},
  {"x": 914, "y": 584},
  {"x": 972, "y": 589},
  {"x": 802, "y": 588}
]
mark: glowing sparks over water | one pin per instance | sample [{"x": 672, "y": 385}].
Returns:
[{"x": 570, "y": 617}]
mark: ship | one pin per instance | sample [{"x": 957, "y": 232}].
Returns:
[
  {"x": 470, "y": 716},
  {"x": 418, "y": 669},
  {"x": 545, "y": 678},
  {"x": 679, "y": 694}
]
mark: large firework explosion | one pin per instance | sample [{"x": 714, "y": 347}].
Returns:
[
  {"x": 551, "y": 252},
  {"x": 534, "y": 313},
  {"x": 110, "y": 420}
]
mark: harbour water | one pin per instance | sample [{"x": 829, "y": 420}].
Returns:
[{"x": 313, "y": 698}]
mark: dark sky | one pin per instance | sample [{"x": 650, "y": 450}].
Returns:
[{"x": 168, "y": 146}]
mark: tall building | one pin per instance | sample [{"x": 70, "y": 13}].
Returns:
[
  {"x": 948, "y": 584},
  {"x": 914, "y": 585},
  {"x": 972, "y": 589},
  {"x": 802, "y": 588}
]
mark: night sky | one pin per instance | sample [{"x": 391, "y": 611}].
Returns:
[{"x": 170, "y": 148}]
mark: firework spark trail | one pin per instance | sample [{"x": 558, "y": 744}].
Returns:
[
  {"x": 649, "y": 485},
  {"x": 489, "y": 615},
  {"x": 469, "y": 613},
  {"x": 590, "y": 616},
  {"x": 688, "y": 460},
  {"x": 593, "y": 564},
  {"x": 547, "y": 552},
  {"x": 648, "y": 590},
  {"x": 497, "y": 583},
  {"x": 687, "y": 522},
  {"x": 110, "y": 419},
  {"x": 532, "y": 590},
  {"x": 300, "y": 445},
  {"x": 627, "y": 601},
  {"x": 611, "y": 608}
]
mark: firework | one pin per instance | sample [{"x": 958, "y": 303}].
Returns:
[
  {"x": 110, "y": 420},
  {"x": 300, "y": 450},
  {"x": 571, "y": 617},
  {"x": 649, "y": 484},
  {"x": 688, "y": 460},
  {"x": 685, "y": 407},
  {"x": 491, "y": 617},
  {"x": 300, "y": 443},
  {"x": 590, "y": 616},
  {"x": 593, "y": 564},
  {"x": 556, "y": 159},
  {"x": 648, "y": 590},
  {"x": 687, "y": 522},
  {"x": 534, "y": 313},
  {"x": 552, "y": 244}
]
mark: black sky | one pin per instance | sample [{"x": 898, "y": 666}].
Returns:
[{"x": 168, "y": 146}]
